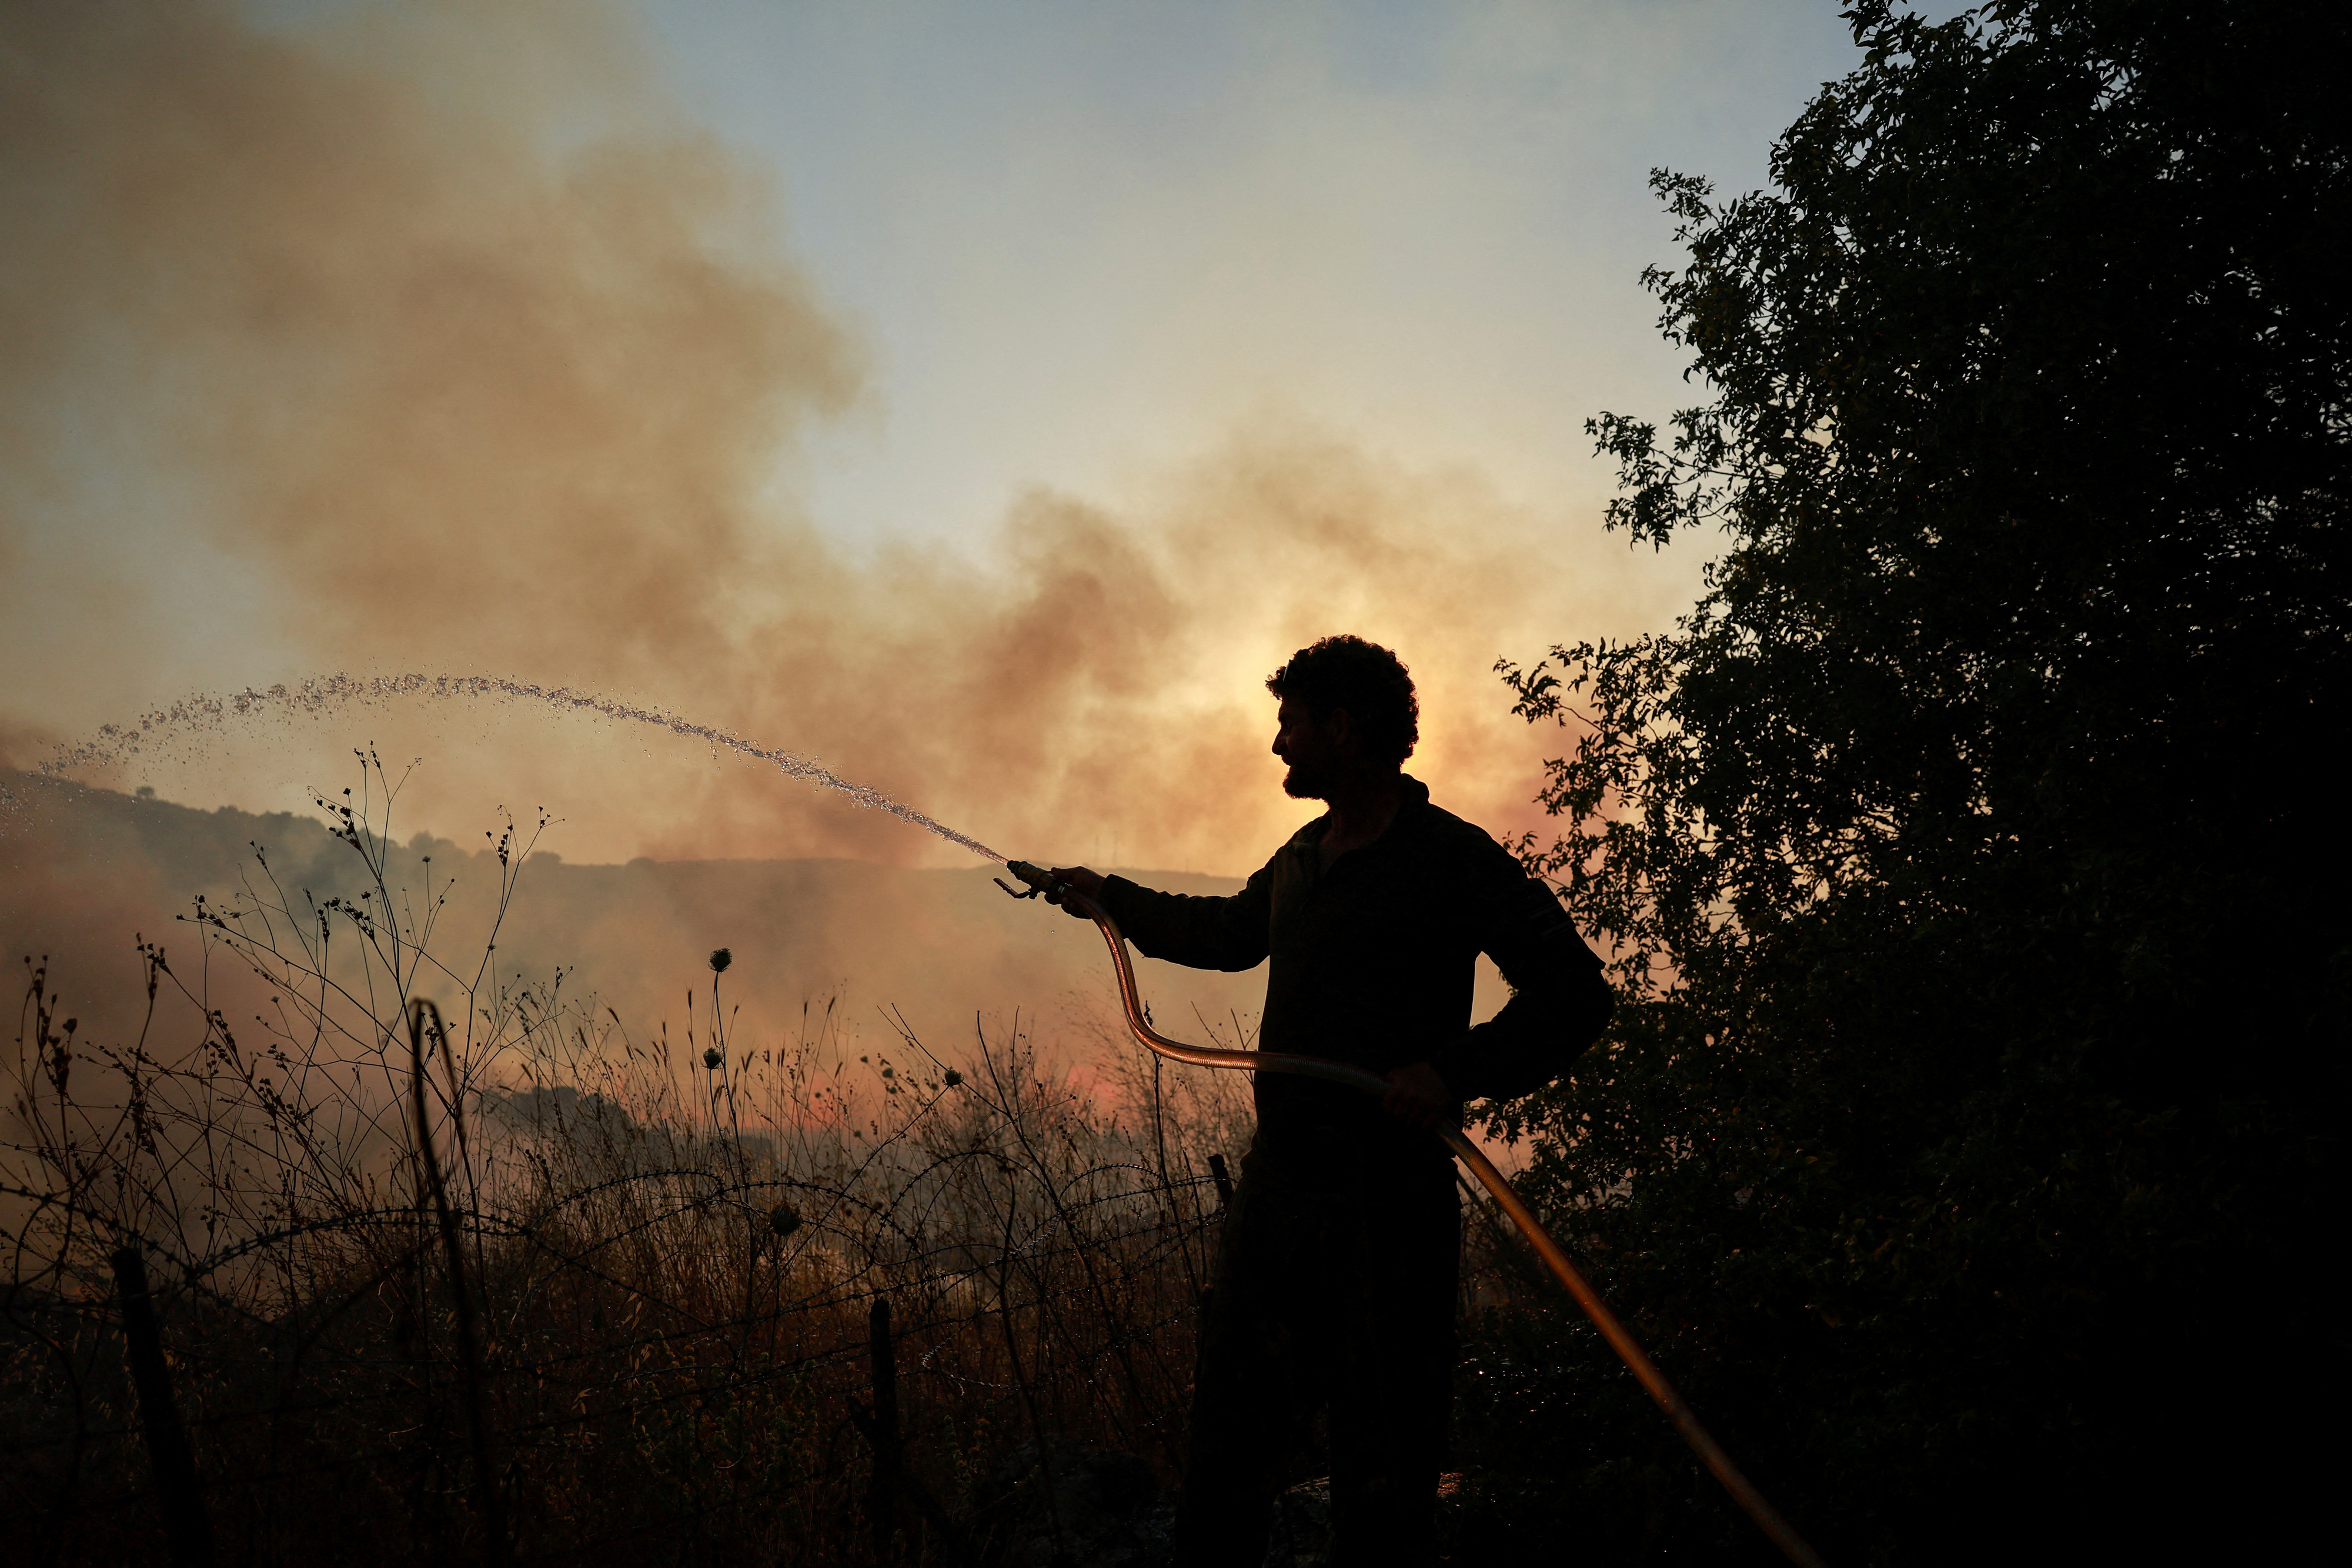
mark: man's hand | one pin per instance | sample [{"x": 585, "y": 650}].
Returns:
[
  {"x": 1418, "y": 1097},
  {"x": 1079, "y": 879}
]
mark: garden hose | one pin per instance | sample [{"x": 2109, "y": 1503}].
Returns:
[{"x": 1702, "y": 1442}]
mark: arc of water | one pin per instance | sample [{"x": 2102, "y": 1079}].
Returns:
[{"x": 322, "y": 693}]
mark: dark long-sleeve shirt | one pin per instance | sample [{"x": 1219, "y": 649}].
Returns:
[{"x": 1373, "y": 961}]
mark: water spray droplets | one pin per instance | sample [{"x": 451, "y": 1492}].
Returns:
[{"x": 324, "y": 694}]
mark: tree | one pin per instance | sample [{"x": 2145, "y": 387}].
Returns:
[{"x": 1968, "y": 850}]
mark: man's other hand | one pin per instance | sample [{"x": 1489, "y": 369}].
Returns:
[
  {"x": 1080, "y": 879},
  {"x": 1418, "y": 1097}
]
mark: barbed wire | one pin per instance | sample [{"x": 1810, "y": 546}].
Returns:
[{"x": 251, "y": 1393}]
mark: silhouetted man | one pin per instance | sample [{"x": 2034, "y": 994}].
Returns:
[{"x": 1336, "y": 1275}]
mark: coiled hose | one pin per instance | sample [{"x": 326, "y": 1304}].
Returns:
[{"x": 1702, "y": 1442}]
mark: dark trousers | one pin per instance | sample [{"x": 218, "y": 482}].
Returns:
[{"x": 1333, "y": 1298}]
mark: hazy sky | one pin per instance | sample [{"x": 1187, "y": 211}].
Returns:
[
  {"x": 1081, "y": 242},
  {"x": 983, "y": 396}
]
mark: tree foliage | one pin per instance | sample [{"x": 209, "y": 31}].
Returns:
[{"x": 1967, "y": 854}]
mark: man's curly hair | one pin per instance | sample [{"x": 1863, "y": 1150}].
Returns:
[{"x": 1364, "y": 678}]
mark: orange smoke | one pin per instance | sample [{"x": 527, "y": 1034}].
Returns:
[{"x": 429, "y": 340}]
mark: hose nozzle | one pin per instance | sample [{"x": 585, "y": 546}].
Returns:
[{"x": 1039, "y": 879}]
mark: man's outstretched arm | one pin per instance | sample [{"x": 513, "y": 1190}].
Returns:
[{"x": 1201, "y": 933}]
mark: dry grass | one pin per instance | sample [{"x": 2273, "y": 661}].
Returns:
[{"x": 668, "y": 1251}]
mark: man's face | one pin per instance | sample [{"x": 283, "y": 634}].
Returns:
[{"x": 1308, "y": 744}]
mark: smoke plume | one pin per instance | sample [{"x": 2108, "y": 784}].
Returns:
[{"x": 431, "y": 337}]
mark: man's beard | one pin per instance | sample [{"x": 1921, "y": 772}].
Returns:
[{"x": 1302, "y": 785}]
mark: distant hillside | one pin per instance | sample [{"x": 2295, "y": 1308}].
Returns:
[{"x": 86, "y": 869}]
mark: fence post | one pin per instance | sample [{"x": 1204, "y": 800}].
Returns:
[
  {"x": 1225, "y": 1182},
  {"x": 887, "y": 1458},
  {"x": 1205, "y": 1301},
  {"x": 1203, "y": 1304},
  {"x": 185, "y": 1529}
]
